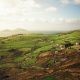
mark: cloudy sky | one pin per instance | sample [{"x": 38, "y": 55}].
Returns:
[{"x": 40, "y": 14}]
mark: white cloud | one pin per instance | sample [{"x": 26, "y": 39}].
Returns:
[
  {"x": 57, "y": 24},
  {"x": 17, "y": 13},
  {"x": 26, "y": 14},
  {"x": 77, "y": 1},
  {"x": 31, "y": 3},
  {"x": 70, "y": 1},
  {"x": 51, "y": 9},
  {"x": 68, "y": 20},
  {"x": 5, "y": 8},
  {"x": 65, "y": 1},
  {"x": 17, "y": 6}
]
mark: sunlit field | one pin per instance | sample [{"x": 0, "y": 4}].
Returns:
[{"x": 37, "y": 56}]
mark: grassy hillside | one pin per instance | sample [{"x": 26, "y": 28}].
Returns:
[
  {"x": 32, "y": 45},
  {"x": 21, "y": 51}
]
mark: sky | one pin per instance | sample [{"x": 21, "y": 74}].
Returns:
[{"x": 40, "y": 15}]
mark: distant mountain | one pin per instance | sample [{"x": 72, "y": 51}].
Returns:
[{"x": 7, "y": 32}]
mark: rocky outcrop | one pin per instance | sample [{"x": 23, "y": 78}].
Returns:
[{"x": 68, "y": 69}]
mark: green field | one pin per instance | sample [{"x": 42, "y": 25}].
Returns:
[
  {"x": 28, "y": 47},
  {"x": 22, "y": 51}
]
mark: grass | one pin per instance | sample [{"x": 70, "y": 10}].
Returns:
[
  {"x": 33, "y": 45},
  {"x": 49, "y": 78}
]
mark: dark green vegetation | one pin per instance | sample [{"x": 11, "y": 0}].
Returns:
[
  {"x": 21, "y": 52},
  {"x": 49, "y": 78}
]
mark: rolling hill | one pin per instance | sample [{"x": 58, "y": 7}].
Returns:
[
  {"x": 6, "y": 33},
  {"x": 40, "y": 56}
]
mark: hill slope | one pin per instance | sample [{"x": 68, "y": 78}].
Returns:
[
  {"x": 6, "y": 33},
  {"x": 40, "y": 55}
]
